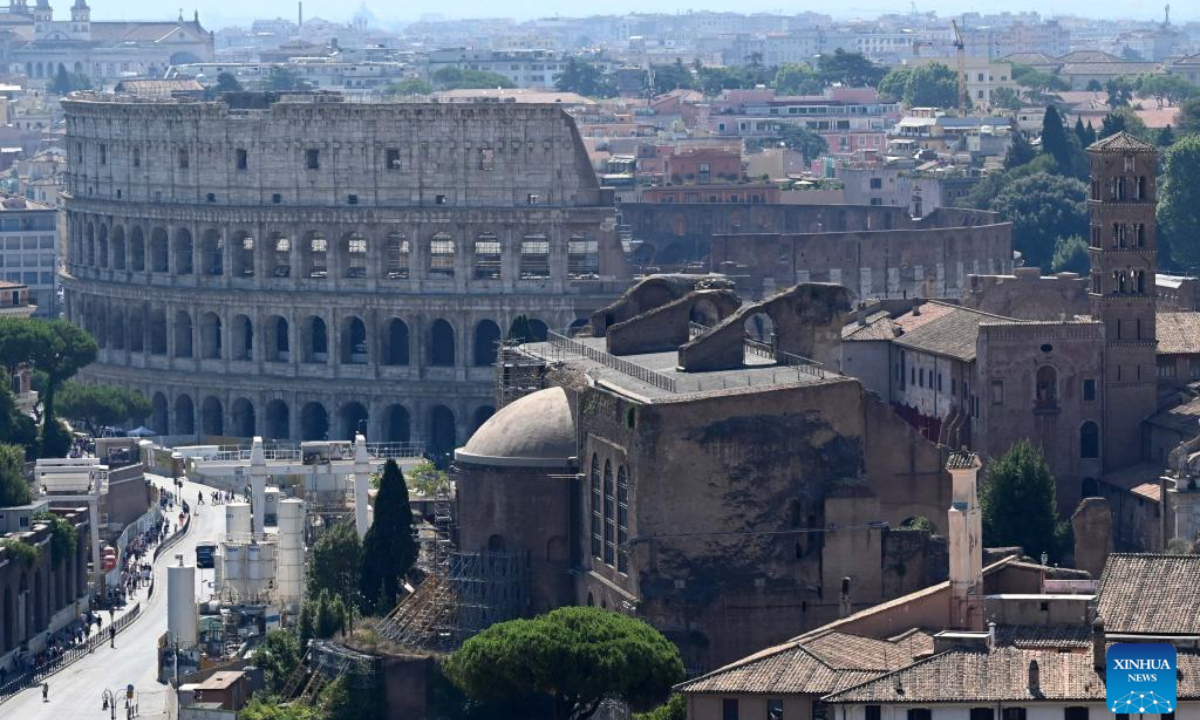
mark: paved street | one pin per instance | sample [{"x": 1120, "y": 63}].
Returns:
[{"x": 75, "y": 693}]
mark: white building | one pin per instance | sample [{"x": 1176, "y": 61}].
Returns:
[{"x": 29, "y": 250}]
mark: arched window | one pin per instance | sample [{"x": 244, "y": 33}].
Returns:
[
  {"x": 1047, "y": 388},
  {"x": 597, "y": 516},
  {"x": 622, "y": 520},
  {"x": 610, "y": 519},
  {"x": 441, "y": 344},
  {"x": 441, "y": 255},
  {"x": 1089, "y": 440}
]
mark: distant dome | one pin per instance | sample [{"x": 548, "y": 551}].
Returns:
[{"x": 535, "y": 431}]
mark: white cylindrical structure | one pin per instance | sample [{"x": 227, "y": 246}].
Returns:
[
  {"x": 362, "y": 477},
  {"x": 237, "y": 520},
  {"x": 182, "y": 614},
  {"x": 290, "y": 557},
  {"x": 232, "y": 564},
  {"x": 258, "y": 486}
]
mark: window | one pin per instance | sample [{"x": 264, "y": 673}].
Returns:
[
  {"x": 397, "y": 256},
  {"x": 392, "y": 159},
  {"x": 597, "y": 513},
  {"x": 873, "y": 712},
  {"x": 729, "y": 709},
  {"x": 1074, "y": 713},
  {"x": 1089, "y": 440},
  {"x": 487, "y": 159},
  {"x": 876, "y": 183},
  {"x": 921, "y": 377},
  {"x": 183, "y": 159},
  {"x": 532, "y": 199},
  {"x": 1089, "y": 390},
  {"x": 1046, "y": 397},
  {"x": 312, "y": 159},
  {"x": 774, "y": 709},
  {"x": 535, "y": 257},
  {"x": 439, "y": 199},
  {"x": 441, "y": 255},
  {"x": 103, "y": 154},
  {"x": 920, "y": 714},
  {"x": 622, "y": 520},
  {"x": 351, "y": 199},
  {"x": 1013, "y": 713},
  {"x": 240, "y": 159},
  {"x": 610, "y": 520},
  {"x": 210, "y": 198},
  {"x": 137, "y": 157},
  {"x": 997, "y": 392},
  {"x": 356, "y": 250},
  {"x": 276, "y": 198},
  {"x": 583, "y": 257},
  {"x": 487, "y": 257},
  {"x": 982, "y": 713}
]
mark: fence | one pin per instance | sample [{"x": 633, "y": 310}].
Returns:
[
  {"x": 35, "y": 676},
  {"x": 562, "y": 343},
  {"x": 132, "y": 530}
]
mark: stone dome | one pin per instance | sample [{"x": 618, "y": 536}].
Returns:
[{"x": 535, "y": 431}]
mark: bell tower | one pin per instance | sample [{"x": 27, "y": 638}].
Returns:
[
  {"x": 1123, "y": 252},
  {"x": 81, "y": 20}
]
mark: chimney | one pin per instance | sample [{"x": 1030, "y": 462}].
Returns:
[
  {"x": 1034, "y": 677},
  {"x": 1098, "y": 643},
  {"x": 844, "y": 605},
  {"x": 916, "y": 311},
  {"x": 965, "y": 540}
]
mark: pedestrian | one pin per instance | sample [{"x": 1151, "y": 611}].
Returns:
[
  {"x": 45, "y": 692},
  {"x": 112, "y": 636}
]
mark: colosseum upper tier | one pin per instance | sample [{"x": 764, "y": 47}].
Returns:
[{"x": 299, "y": 267}]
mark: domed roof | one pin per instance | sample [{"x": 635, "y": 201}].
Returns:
[{"x": 535, "y": 431}]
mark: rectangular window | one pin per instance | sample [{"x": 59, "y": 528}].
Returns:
[
  {"x": 876, "y": 183},
  {"x": 276, "y": 198},
  {"x": 997, "y": 392},
  {"x": 774, "y": 709},
  {"x": 921, "y": 377},
  {"x": 183, "y": 159},
  {"x": 873, "y": 712},
  {"x": 103, "y": 154},
  {"x": 1077, "y": 712},
  {"x": 487, "y": 257},
  {"x": 583, "y": 257},
  {"x": 1013, "y": 713},
  {"x": 610, "y": 517},
  {"x": 351, "y": 199},
  {"x": 920, "y": 714},
  {"x": 729, "y": 709},
  {"x": 939, "y": 382},
  {"x": 392, "y": 159},
  {"x": 982, "y": 713},
  {"x": 487, "y": 159},
  {"x": 1089, "y": 390},
  {"x": 312, "y": 159},
  {"x": 137, "y": 157},
  {"x": 240, "y": 159}
]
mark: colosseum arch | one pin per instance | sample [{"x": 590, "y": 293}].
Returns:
[
  {"x": 481, "y": 415},
  {"x": 535, "y": 257},
  {"x": 354, "y": 349},
  {"x": 281, "y": 255},
  {"x": 352, "y": 418},
  {"x": 102, "y": 245},
  {"x": 488, "y": 260},
  {"x": 183, "y": 334},
  {"x": 397, "y": 425},
  {"x": 539, "y": 330},
  {"x": 183, "y": 251},
  {"x": 137, "y": 329},
  {"x": 352, "y": 255},
  {"x": 242, "y": 415},
  {"x": 487, "y": 339},
  {"x": 314, "y": 255},
  {"x": 89, "y": 239},
  {"x": 441, "y": 255},
  {"x": 395, "y": 342},
  {"x": 137, "y": 250},
  {"x": 159, "y": 255},
  {"x": 100, "y": 322},
  {"x": 212, "y": 253},
  {"x": 443, "y": 431},
  {"x": 314, "y": 422},
  {"x": 210, "y": 336},
  {"x": 396, "y": 256},
  {"x": 118, "y": 247},
  {"x": 185, "y": 415},
  {"x": 241, "y": 338},
  {"x": 278, "y": 344},
  {"x": 441, "y": 344},
  {"x": 278, "y": 420},
  {"x": 212, "y": 417},
  {"x": 242, "y": 251},
  {"x": 117, "y": 329},
  {"x": 158, "y": 332},
  {"x": 316, "y": 340},
  {"x": 160, "y": 414}
]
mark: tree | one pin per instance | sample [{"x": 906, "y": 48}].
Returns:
[
  {"x": 798, "y": 79},
  {"x": 675, "y": 708},
  {"x": 849, "y": 68},
  {"x": 1007, "y": 98},
  {"x": 388, "y": 548},
  {"x": 1018, "y": 502},
  {"x": 1042, "y": 208},
  {"x": 1189, "y": 117},
  {"x": 343, "y": 702},
  {"x": 1120, "y": 92},
  {"x": 409, "y": 86},
  {"x": 1091, "y": 135},
  {"x": 13, "y": 488},
  {"x": 270, "y": 708},
  {"x": 1165, "y": 138},
  {"x": 17, "y": 428},
  {"x": 804, "y": 141},
  {"x": 61, "y": 84},
  {"x": 579, "y": 656},
  {"x": 895, "y": 84},
  {"x": 586, "y": 79},
  {"x": 329, "y": 615},
  {"x": 1040, "y": 84},
  {"x": 102, "y": 405},
  {"x": 666, "y": 78},
  {"x": 1165, "y": 89},
  {"x": 278, "y": 655},
  {"x": 1124, "y": 119},
  {"x": 932, "y": 85},
  {"x": 520, "y": 330},
  {"x": 1054, "y": 139},
  {"x": 306, "y": 626},
  {"x": 226, "y": 82},
  {"x": 335, "y": 561},
  {"x": 1093, "y": 85},
  {"x": 286, "y": 79},
  {"x": 1179, "y": 201},
  {"x": 1071, "y": 255}
]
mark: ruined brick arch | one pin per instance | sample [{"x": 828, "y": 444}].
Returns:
[
  {"x": 119, "y": 260},
  {"x": 182, "y": 251},
  {"x": 212, "y": 253}
]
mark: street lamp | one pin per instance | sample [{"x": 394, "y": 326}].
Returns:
[{"x": 110, "y": 703}]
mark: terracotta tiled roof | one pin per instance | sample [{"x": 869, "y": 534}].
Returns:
[
  {"x": 951, "y": 333},
  {"x": 1088, "y": 56},
  {"x": 1032, "y": 637},
  {"x": 1153, "y": 594},
  {"x": 1122, "y": 142},
  {"x": 1183, "y": 417},
  {"x": 879, "y": 327},
  {"x": 1178, "y": 333}
]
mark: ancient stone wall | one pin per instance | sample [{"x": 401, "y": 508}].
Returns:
[{"x": 1027, "y": 295}]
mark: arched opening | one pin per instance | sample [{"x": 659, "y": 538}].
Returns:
[
  {"x": 242, "y": 338},
  {"x": 278, "y": 420},
  {"x": 159, "y": 415},
  {"x": 1089, "y": 488},
  {"x": 395, "y": 343},
  {"x": 39, "y": 604},
  {"x": 243, "y": 255},
  {"x": 352, "y": 418},
  {"x": 281, "y": 255},
  {"x": 137, "y": 330},
  {"x": 396, "y": 260},
  {"x": 9, "y": 626},
  {"x": 159, "y": 257},
  {"x": 1089, "y": 440},
  {"x": 278, "y": 346},
  {"x": 183, "y": 252},
  {"x": 576, "y": 325},
  {"x": 481, "y": 415},
  {"x": 443, "y": 434},
  {"x": 1046, "y": 391},
  {"x": 183, "y": 335},
  {"x": 118, "y": 248},
  {"x": 441, "y": 255},
  {"x": 137, "y": 250},
  {"x": 117, "y": 329},
  {"x": 495, "y": 544},
  {"x": 919, "y": 523},
  {"x": 90, "y": 239},
  {"x": 354, "y": 255},
  {"x": 704, "y": 312},
  {"x": 244, "y": 422},
  {"x": 316, "y": 256},
  {"x": 314, "y": 422},
  {"x": 487, "y": 339},
  {"x": 397, "y": 425},
  {"x": 102, "y": 234},
  {"x": 760, "y": 328},
  {"x": 185, "y": 416},
  {"x": 100, "y": 322},
  {"x": 441, "y": 344},
  {"x": 210, "y": 336},
  {"x": 212, "y": 417},
  {"x": 535, "y": 257},
  {"x": 354, "y": 341},
  {"x": 158, "y": 332},
  {"x": 539, "y": 330},
  {"x": 488, "y": 258},
  {"x": 212, "y": 253},
  {"x": 317, "y": 347}
]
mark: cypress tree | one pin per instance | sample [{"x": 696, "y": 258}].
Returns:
[
  {"x": 1081, "y": 131},
  {"x": 389, "y": 550},
  {"x": 1054, "y": 139}
]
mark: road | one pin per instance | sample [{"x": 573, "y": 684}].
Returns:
[{"x": 75, "y": 693}]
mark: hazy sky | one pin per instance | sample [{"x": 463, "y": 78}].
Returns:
[{"x": 215, "y": 13}]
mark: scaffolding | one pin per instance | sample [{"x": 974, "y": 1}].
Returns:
[{"x": 517, "y": 373}]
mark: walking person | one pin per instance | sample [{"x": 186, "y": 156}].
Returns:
[{"x": 45, "y": 692}]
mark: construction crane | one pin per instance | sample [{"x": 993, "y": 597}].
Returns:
[{"x": 960, "y": 48}]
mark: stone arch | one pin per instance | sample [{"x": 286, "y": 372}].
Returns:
[
  {"x": 212, "y": 253},
  {"x": 441, "y": 255},
  {"x": 278, "y": 420},
  {"x": 441, "y": 344},
  {"x": 705, "y": 312},
  {"x": 183, "y": 252},
  {"x": 185, "y": 415},
  {"x": 397, "y": 424},
  {"x": 280, "y": 247},
  {"x": 244, "y": 421},
  {"x": 314, "y": 254},
  {"x": 117, "y": 329},
  {"x": 277, "y": 340},
  {"x": 118, "y": 248},
  {"x": 158, "y": 331},
  {"x": 137, "y": 250},
  {"x": 354, "y": 347},
  {"x": 314, "y": 422},
  {"x": 183, "y": 334},
  {"x": 137, "y": 329},
  {"x": 159, "y": 255},
  {"x": 89, "y": 237},
  {"x": 487, "y": 339},
  {"x": 212, "y": 417},
  {"x": 39, "y": 604},
  {"x": 242, "y": 251},
  {"x": 539, "y": 330},
  {"x": 100, "y": 322},
  {"x": 443, "y": 431},
  {"x": 211, "y": 344},
  {"x": 241, "y": 338},
  {"x": 760, "y": 328},
  {"x": 395, "y": 342},
  {"x": 352, "y": 251},
  {"x": 481, "y": 415},
  {"x": 1089, "y": 440},
  {"x": 352, "y": 418},
  {"x": 160, "y": 414},
  {"x": 576, "y": 325},
  {"x": 316, "y": 335},
  {"x": 102, "y": 244},
  {"x": 8, "y": 628}
]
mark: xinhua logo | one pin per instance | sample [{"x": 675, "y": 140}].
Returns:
[{"x": 1141, "y": 678}]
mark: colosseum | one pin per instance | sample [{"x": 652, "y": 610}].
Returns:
[{"x": 299, "y": 267}]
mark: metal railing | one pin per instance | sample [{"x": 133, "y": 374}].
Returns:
[
  {"x": 345, "y": 448},
  {"x": 651, "y": 377}
]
